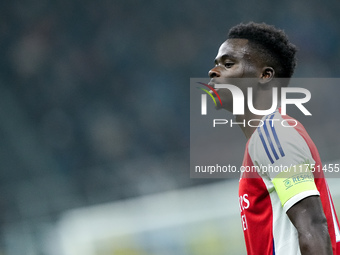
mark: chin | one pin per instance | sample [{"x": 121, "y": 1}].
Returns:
[{"x": 218, "y": 107}]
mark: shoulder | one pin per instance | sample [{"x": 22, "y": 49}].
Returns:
[{"x": 278, "y": 139}]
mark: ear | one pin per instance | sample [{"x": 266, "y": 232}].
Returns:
[{"x": 267, "y": 75}]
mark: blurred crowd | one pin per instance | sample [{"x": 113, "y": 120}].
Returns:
[{"x": 96, "y": 93}]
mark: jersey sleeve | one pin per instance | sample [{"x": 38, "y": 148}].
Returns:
[{"x": 282, "y": 155}]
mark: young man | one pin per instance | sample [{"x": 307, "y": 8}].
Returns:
[{"x": 282, "y": 212}]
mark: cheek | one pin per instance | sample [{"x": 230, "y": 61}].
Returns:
[
  {"x": 238, "y": 71},
  {"x": 251, "y": 71}
]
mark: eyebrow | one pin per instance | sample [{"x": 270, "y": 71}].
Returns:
[{"x": 223, "y": 57}]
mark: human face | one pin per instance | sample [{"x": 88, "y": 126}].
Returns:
[{"x": 234, "y": 60}]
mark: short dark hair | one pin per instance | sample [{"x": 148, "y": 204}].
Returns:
[{"x": 272, "y": 44}]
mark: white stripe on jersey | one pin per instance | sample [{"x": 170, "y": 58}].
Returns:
[{"x": 336, "y": 226}]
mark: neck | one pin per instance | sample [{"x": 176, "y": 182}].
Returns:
[{"x": 243, "y": 123}]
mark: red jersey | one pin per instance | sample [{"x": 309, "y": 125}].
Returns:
[{"x": 280, "y": 145}]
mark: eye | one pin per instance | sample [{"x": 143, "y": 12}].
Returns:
[{"x": 228, "y": 64}]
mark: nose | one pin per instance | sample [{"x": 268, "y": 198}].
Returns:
[{"x": 214, "y": 72}]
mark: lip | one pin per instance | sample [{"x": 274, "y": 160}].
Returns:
[{"x": 212, "y": 84}]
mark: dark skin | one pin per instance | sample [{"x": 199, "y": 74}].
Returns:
[{"x": 236, "y": 59}]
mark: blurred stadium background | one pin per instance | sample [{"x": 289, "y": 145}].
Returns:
[{"x": 94, "y": 121}]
